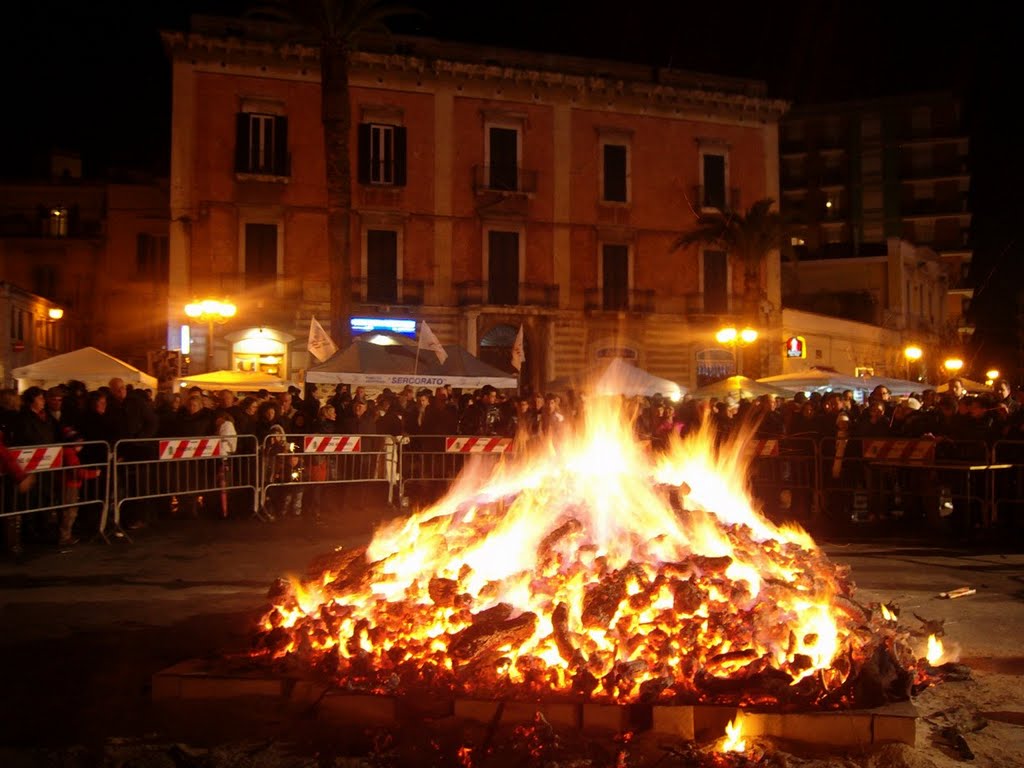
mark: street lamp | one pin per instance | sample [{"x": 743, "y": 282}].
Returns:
[
  {"x": 953, "y": 365},
  {"x": 736, "y": 339},
  {"x": 212, "y": 311},
  {"x": 912, "y": 354}
]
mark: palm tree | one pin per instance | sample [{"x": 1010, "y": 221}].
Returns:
[
  {"x": 749, "y": 237},
  {"x": 341, "y": 24}
]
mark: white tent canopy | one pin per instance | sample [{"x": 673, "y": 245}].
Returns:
[
  {"x": 365, "y": 363},
  {"x": 237, "y": 381},
  {"x": 89, "y": 365},
  {"x": 619, "y": 377}
]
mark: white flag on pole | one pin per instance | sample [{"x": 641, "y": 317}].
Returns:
[
  {"x": 518, "y": 353},
  {"x": 320, "y": 345},
  {"x": 429, "y": 341}
]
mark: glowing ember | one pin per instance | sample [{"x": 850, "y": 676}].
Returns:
[
  {"x": 591, "y": 569},
  {"x": 935, "y": 651},
  {"x": 732, "y": 741}
]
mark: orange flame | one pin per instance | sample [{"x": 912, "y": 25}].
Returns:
[
  {"x": 886, "y": 613},
  {"x": 935, "y": 651},
  {"x": 592, "y": 575},
  {"x": 732, "y": 741}
]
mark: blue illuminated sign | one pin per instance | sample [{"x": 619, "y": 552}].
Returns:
[{"x": 367, "y": 324}]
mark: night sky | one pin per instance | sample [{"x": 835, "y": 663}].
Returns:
[{"x": 91, "y": 76}]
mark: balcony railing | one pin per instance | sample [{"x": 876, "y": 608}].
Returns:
[
  {"x": 406, "y": 292},
  {"x": 594, "y": 300},
  {"x": 472, "y": 292},
  {"x": 506, "y": 180},
  {"x": 703, "y": 197},
  {"x": 935, "y": 170},
  {"x": 934, "y": 207}
]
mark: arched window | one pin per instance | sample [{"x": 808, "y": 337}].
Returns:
[{"x": 714, "y": 365}]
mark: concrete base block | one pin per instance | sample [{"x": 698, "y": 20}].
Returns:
[
  {"x": 197, "y": 679},
  {"x": 896, "y": 723},
  {"x": 673, "y": 721},
  {"x": 357, "y": 709},
  {"x": 424, "y": 707},
  {"x": 562, "y": 714},
  {"x": 618, "y": 718}
]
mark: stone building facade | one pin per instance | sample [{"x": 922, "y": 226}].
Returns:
[{"x": 494, "y": 189}]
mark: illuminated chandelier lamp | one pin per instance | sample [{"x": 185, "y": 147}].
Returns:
[
  {"x": 736, "y": 339},
  {"x": 211, "y": 311}
]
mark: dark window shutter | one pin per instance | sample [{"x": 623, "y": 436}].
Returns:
[
  {"x": 399, "y": 155},
  {"x": 363, "y": 154},
  {"x": 242, "y": 164},
  {"x": 281, "y": 146},
  {"x": 615, "y": 277},
  {"x": 714, "y": 182},
  {"x": 615, "y": 173}
]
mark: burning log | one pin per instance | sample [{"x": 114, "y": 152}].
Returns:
[
  {"x": 601, "y": 601},
  {"x": 488, "y": 636}
]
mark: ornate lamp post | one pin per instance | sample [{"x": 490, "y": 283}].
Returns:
[
  {"x": 736, "y": 340},
  {"x": 212, "y": 311}
]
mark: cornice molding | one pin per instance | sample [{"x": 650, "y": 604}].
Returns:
[{"x": 596, "y": 91}]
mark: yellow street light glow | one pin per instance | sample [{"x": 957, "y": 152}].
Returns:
[
  {"x": 912, "y": 353},
  {"x": 748, "y": 335},
  {"x": 953, "y": 365},
  {"x": 993, "y": 374},
  {"x": 726, "y": 336},
  {"x": 55, "y": 313},
  {"x": 211, "y": 308}
]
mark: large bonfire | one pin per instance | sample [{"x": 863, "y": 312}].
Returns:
[{"x": 594, "y": 569}]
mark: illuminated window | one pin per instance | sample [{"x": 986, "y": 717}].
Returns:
[{"x": 57, "y": 222}]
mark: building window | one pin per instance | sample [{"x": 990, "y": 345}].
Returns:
[
  {"x": 713, "y": 181},
  {"x": 382, "y": 154},
  {"x": 503, "y": 158},
  {"x": 502, "y": 267},
  {"x": 260, "y": 255},
  {"x": 56, "y": 223},
  {"x": 715, "y": 282},
  {"x": 261, "y": 144},
  {"x": 382, "y": 266},
  {"x": 615, "y": 277},
  {"x": 714, "y": 365},
  {"x": 44, "y": 280},
  {"x": 615, "y": 173},
  {"x": 151, "y": 256}
]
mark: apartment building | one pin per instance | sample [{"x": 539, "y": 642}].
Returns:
[
  {"x": 857, "y": 174},
  {"x": 83, "y": 262},
  {"x": 493, "y": 189}
]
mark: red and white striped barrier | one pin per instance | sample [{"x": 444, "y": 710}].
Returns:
[
  {"x": 190, "y": 449},
  {"x": 478, "y": 444},
  {"x": 37, "y": 459},
  {"x": 331, "y": 444},
  {"x": 762, "y": 449},
  {"x": 899, "y": 450}
]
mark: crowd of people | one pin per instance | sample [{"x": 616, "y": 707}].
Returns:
[{"x": 86, "y": 420}]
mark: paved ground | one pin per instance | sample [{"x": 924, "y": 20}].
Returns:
[{"x": 82, "y": 632}]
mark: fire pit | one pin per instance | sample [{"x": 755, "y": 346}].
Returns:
[{"x": 595, "y": 571}]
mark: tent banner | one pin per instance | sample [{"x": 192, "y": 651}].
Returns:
[{"x": 414, "y": 380}]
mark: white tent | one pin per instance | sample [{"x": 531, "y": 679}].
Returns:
[
  {"x": 236, "y": 381},
  {"x": 89, "y": 365},
  {"x": 619, "y": 377},
  {"x": 365, "y": 363},
  {"x": 741, "y": 387},
  {"x": 815, "y": 380}
]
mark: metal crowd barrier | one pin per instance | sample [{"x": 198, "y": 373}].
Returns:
[
  {"x": 887, "y": 479},
  {"x": 783, "y": 475},
  {"x": 840, "y": 480},
  {"x": 432, "y": 460},
  {"x": 68, "y": 476},
  {"x": 293, "y": 462},
  {"x": 146, "y": 470}
]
